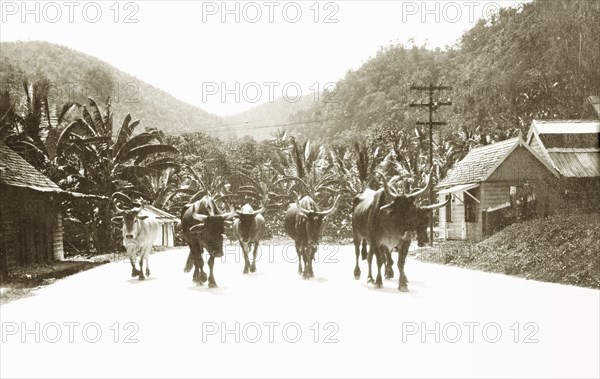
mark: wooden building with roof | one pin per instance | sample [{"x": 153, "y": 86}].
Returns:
[
  {"x": 30, "y": 218},
  {"x": 167, "y": 222},
  {"x": 491, "y": 178},
  {"x": 571, "y": 147}
]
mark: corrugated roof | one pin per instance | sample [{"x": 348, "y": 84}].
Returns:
[
  {"x": 476, "y": 165},
  {"x": 16, "y": 171},
  {"x": 576, "y": 164},
  {"x": 458, "y": 188},
  {"x": 160, "y": 214},
  {"x": 575, "y": 140},
  {"x": 571, "y": 146},
  {"x": 566, "y": 126}
]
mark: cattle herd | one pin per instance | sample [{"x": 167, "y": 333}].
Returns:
[{"x": 382, "y": 220}]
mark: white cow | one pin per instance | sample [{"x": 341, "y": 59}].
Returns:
[{"x": 140, "y": 230}]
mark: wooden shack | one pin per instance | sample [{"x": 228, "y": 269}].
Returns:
[
  {"x": 167, "y": 222},
  {"x": 30, "y": 218},
  {"x": 490, "y": 179},
  {"x": 571, "y": 147}
]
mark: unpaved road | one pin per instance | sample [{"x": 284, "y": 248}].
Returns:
[{"x": 453, "y": 323}]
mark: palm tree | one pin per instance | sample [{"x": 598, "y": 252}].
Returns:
[{"x": 119, "y": 167}]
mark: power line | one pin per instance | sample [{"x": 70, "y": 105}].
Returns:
[{"x": 225, "y": 127}]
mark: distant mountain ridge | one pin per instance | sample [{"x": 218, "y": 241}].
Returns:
[
  {"x": 262, "y": 120},
  {"x": 74, "y": 76}
]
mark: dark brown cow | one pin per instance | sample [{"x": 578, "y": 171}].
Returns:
[
  {"x": 248, "y": 228},
  {"x": 203, "y": 227},
  {"x": 303, "y": 222},
  {"x": 385, "y": 220}
]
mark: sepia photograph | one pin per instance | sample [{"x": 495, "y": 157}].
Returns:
[{"x": 242, "y": 189}]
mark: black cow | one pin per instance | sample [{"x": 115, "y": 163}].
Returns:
[
  {"x": 203, "y": 227},
  {"x": 248, "y": 228},
  {"x": 386, "y": 220},
  {"x": 302, "y": 223}
]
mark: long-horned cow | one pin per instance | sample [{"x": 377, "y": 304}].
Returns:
[
  {"x": 386, "y": 220},
  {"x": 140, "y": 230},
  {"x": 248, "y": 229},
  {"x": 303, "y": 222},
  {"x": 203, "y": 227}
]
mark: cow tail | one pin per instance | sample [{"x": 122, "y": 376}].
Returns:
[
  {"x": 363, "y": 251},
  {"x": 189, "y": 264}
]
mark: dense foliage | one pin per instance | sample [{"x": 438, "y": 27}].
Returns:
[{"x": 539, "y": 60}]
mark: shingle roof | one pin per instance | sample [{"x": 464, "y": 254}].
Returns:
[
  {"x": 478, "y": 163},
  {"x": 15, "y": 171}
]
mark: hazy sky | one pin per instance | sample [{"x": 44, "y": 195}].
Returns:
[{"x": 228, "y": 57}]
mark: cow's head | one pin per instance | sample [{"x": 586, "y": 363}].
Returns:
[
  {"x": 422, "y": 217},
  {"x": 210, "y": 229},
  {"x": 131, "y": 222},
  {"x": 247, "y": 215},
  {"x": 404, "y": 212},
  {"x": 313, "y": 221}
]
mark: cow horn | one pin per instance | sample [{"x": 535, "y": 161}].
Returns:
[
  {"x": 198, "y": 227},
  {"x": 229, "y": 215},
  {"x": 117, "y": 219},
  {"x": 388, "y": 194},
  {"x": 263, "y": 208},
  {"x": 332, "y": 209},
  {"x": 199, "y": 217},
  {"x": 433, "y": 207},
  {"x": 421, "y": 192},
  {"x": 119, "y": 209}
]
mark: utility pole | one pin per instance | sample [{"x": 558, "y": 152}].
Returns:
[{"x": 432, "y": 106}]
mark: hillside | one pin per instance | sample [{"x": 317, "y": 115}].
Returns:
[
  {"x": 535, "y": 60},
  {"x": 262, "y": 120},
  {"x": 561, "y": 249},
  {"x": 75, "y": 76}
]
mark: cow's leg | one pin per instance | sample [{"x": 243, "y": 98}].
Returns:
[
  {"x": 245, "y": 249},
  {"x": 147, "y": 259},
  {"x": 357, "y": 253},
  {"x": 306, "y": 258},
  {"x": 381, "y": 258},
  {"x": 196, "y": 252},
  {"x": 134, "y": 271},
  {"x": 402, "y": 253},
  {"x": 370, "y": 263},
  {"x": 312, "y": 251},
  {"x": 254, "y": 250},
  {"x": 142, "y": 253},
  {"x": 211, "y": 278},
  {"x": 299, "y": 252},
  {"x": 363, "y": 251},
  {"x": 389, "y": 263}
]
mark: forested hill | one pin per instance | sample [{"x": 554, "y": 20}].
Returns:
[
  {"x": 74, "y": 76},
  {"x": 540, "y": 60},
  {"x": 262, "y": 120}
]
